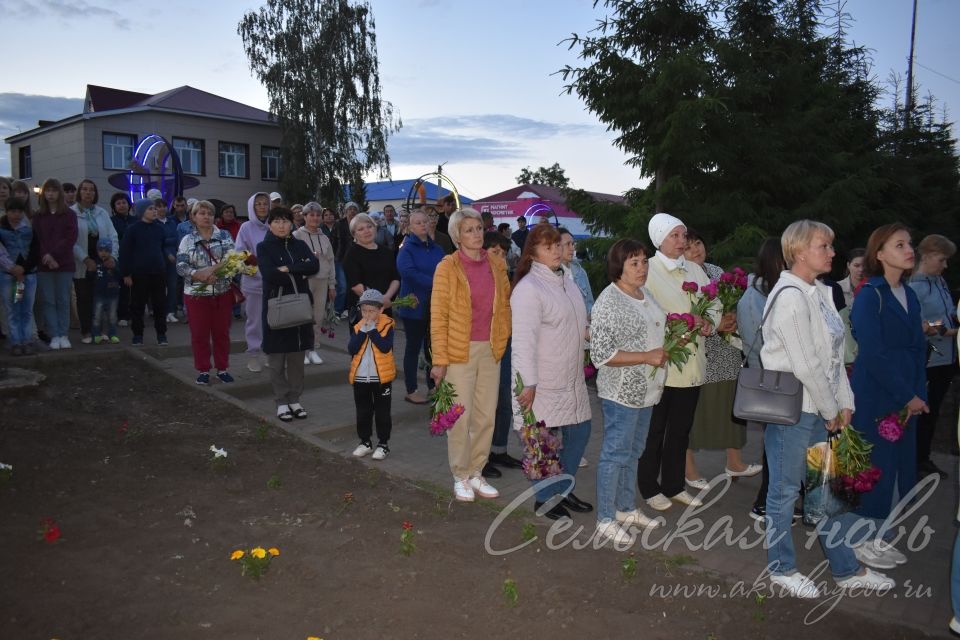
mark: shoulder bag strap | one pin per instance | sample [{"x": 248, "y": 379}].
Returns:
[{"x": 764, "y": 319}]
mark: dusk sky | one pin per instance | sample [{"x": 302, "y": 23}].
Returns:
[{"x": 474, "y": 83}]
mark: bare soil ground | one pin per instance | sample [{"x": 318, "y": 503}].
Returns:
[{"x": 148, "y": 526}]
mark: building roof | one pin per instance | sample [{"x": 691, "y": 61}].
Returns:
[
  {"x": 543, "y": 192},
  {"x": 400, "y": 189},
  {"x": 105, "y": 101}
]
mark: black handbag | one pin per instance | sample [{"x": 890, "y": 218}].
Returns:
[
  {"x": 765, "y": 395},
  {"x": 290, "y": 310}
]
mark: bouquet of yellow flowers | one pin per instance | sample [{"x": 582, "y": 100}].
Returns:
[{"x": 234, "y": 263}]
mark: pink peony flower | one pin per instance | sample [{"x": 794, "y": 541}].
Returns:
[
  {"x": 330, "y": 335},
  {"x": 690, "y": 287},
  {"x": 727, "y": 278},
  {"x": 740, "y": 273},
  {"x": 688, "y": 318},
  {"x": 710, "y": 291},
  {"x": 890, "y": 429},
  {"x": 741, "y": 282},
  {"x": 673, "y": 316}
]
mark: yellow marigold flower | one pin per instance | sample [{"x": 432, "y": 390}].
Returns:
[
  {"x": 236, "y": 555},
  {"x": 258, "y": 552},
  {"x": 273, "y": 551},
  {"x": 314, "y": 638}
]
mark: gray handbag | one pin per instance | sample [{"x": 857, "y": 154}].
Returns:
[
  {"x": 765, "y": 395},
  {"x": 290, "y": 310}
]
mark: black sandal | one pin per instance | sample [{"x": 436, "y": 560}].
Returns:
[
  {"x": 286, "y": 416},
  {"x": 299, "y": 413}
]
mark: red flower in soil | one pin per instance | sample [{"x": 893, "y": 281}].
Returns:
[
  {"x": 50, "y": 531},
  {"x": 123, "y": 428},
  {"x": 407, "y": 525}
]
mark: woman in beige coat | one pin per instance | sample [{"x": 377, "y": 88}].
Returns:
[{"x": 323, "y": 285}]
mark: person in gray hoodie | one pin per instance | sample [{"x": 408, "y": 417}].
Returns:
[{"x": 252, "y": 232}]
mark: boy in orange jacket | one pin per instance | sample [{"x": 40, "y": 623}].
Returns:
[{"x": 371, "y": 373}]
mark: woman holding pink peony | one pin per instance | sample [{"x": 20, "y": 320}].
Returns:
[
  {"x": 674, "y": 283},
  {"x": 469, "y": 328},
  {"x": 889, "y": 375},
  {"x": 627, "y": 339},
  {"x": 549, "y": 335},
  {"x": 713, "y": 423}
]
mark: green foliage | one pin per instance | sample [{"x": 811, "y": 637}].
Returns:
[
  {"x": 628, "y": 567},
  {"x": 510, "y": 592},
  {"x": 274, "y": 482},
  {"x": 318, "y": 62},
  {"x": 528, "y": 532},
  {"x": 553, "y": 176},
  {"x": 746, "y": 115}
]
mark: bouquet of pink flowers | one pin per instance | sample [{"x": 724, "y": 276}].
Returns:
[
  {"x": 444, "y": 412},
  {"x": 838, "y": 471},
  {"x": 701, "y": 297},
  {"x": 676, "y": 340},
  {"x": 730, "y": 288},
  {"x": 541, "y": 445},
  {"x": 891, "y": 427}
]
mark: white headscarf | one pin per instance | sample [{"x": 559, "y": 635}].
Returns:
[{"x": 660, "y": 226}]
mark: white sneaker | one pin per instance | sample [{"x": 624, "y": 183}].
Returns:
[
  {"x": 583, "y": 463},
  {"x": 306, "y": 360},
  {"x": 172, "y": 319},
  {"x": 685, "y": 498},
  {"x": 314, "y": 357},
  {"x": 955, "y": 625},
  {"x": 55, "y": 343},
  {"x": 868, "y": 554},
  {"x": 381, "y": 452},
  {"x": 65, "y": 343},
  {"x": 123, "y": 323},
  {"x": 362, "y": 450},
  {"x": 699, "y": 483},
  {"x": 870, "y": 581},
  {"x": 610, "y": 530},
  {"x": 253, "y": 364},
  {"x": 86, "y": 340},
  {"x": 636, "y": 518},
  {"x": 482, "y": 488},
  {"x": 796, "y": 585},
  {"x": 889, "y": 551},
  {"x": 659, "y": 502},
  {"x": 462, "y": 491}
]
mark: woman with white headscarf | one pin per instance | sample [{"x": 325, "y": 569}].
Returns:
[{"x": 660, "y": 472}]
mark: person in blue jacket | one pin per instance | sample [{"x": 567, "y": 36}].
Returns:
[
  {"x": 416, "y": 262},
  {"x": 143, "y": 267},
  {"x": 170, "y": 245},
  {"x": 889, "y": 375},
  {"x": 940, "y": 327}
]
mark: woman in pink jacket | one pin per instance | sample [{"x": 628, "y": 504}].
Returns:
[{"x": 549, "y": 331}]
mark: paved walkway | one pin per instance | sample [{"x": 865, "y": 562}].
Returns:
[{"x": 921, "y": 598}]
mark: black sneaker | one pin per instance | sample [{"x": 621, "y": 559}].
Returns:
[
  {"x": 203, "y": 378},
  {"x": 490, "y": 471},
  {"x": 759, "y": 513},
  {"x": 225, "y": 377},
  {"x": 162, "y": 340}
]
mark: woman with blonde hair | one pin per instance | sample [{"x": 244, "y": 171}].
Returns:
[{"x": 469, "y": 328}]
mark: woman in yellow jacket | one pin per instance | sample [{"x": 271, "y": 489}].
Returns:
[{"x": 469, "y": 328}]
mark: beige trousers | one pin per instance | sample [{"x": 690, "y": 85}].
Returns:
[{"x": 477, "y": 383}]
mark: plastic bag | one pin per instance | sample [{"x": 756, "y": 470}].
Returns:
[{"x": 820, "y": 500}]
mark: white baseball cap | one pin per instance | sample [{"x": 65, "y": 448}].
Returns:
[{"x": 275, "y": 196}]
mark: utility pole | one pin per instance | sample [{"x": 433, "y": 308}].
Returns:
[{"x": 908, "y": 103}]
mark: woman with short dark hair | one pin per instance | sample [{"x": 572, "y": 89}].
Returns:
[
  {"x": 626, "y": 339},
  {"x": 93, "y": 223}
]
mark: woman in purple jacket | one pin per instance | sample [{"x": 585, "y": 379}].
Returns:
[{"x": 56, "y": 228}]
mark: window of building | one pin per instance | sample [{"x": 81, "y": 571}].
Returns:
[
  {"x": 190, "y": 151},
  {"x": 26, "y": 163},
  {"x": 269, "y": 163},
  {"x": 118, "y": 150},
  {"x": 233, "y": 160}
]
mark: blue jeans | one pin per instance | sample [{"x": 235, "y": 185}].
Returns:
[
  {"x": 105, "y": 313},
  {"x": 955, "y": 577},
  {"x": 786, "y": 448},
  {"x": 624, "y": 436},
  {"x": 340, "y": 301},
  {"x": 19, "y": 315},
  {"x": 575, "y": 438},
  {"x": 503, "y": 418},
  {"x": 55, "y": 294}
]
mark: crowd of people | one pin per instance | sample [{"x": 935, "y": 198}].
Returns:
[{"x": 506, "y": 316}]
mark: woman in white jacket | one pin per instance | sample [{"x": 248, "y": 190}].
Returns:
[
  {"x": 549, "y": 331},
  {"x": 804, "y": 335},
  {"x": 93, "y": 223}
]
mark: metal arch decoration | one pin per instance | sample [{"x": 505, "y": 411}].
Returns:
[
  {"x": 540, "y": 209},
  {"x": 171, "y": 182},
  {"x": 418, "y": 189}
]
